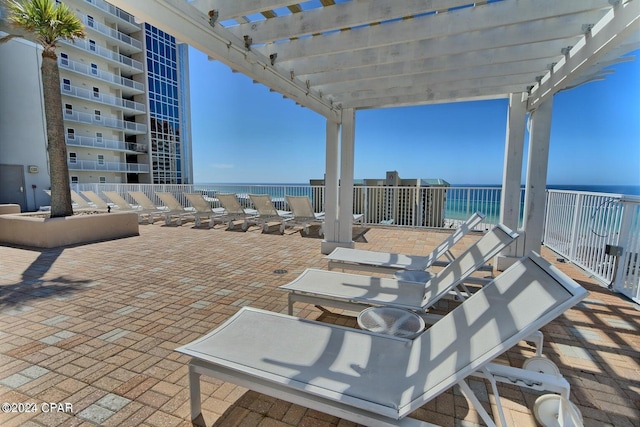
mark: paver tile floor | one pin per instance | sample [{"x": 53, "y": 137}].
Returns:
[{"x": 87, "y": 333}]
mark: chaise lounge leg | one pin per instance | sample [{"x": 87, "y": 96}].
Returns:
[{"x": 194, "y": 393}]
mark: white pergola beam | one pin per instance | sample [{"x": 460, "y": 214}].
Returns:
[
  {"x": 435, "y": 97},
  {"x": 192, "y": 27},
  {"x": 339, "y": 16},
  {"x": 620, "y": 22},
  {"x": 458, "y": 63},
  {"x": 500, "y": 16},
  {"x": 234, "y": 9},
  {"x": 489, "y": 39},
  {"x": 466, "y": 71}
]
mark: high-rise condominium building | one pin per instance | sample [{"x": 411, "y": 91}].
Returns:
[{"x": 125, "y": 95}]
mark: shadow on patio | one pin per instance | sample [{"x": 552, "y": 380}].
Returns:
[{"x": 107, "y": 345}]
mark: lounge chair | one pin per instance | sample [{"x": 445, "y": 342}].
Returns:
[
  {"x": 385, "y": 262},
  {"x": 123, "y": 205},
  {"x": 96, "y": 200},
  {"x": 203, "y": 209},
  {"x": 354, "y": 291},
  {"x": 234, "y": 212},
  {"x": 268, "y": 213},
  {"x": 147, "y": 205},
  {"x": 303, "y": 213},
  {"x": 378, "y": 380},
  {"x": 173, "y": 209}
]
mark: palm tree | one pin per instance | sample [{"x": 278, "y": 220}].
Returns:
[{"x": 49, "y": 22}]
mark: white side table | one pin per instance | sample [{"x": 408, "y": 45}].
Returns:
[{"x": 391, "y": 321}]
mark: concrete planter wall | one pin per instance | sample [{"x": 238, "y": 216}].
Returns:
[{"x": 26, "y": 230}]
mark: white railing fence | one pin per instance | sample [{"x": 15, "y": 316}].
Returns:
[{"x": 599, "y": 232}]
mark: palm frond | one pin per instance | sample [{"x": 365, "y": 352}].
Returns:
[{"x": 46, "y": 20}]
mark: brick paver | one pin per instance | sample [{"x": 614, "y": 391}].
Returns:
[{"x": 95, "y": 327}]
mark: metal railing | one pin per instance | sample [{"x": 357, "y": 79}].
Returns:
[
  {"x": 106, "y": 53},
  {"x": 110, "y": 32},
  {"x": 99, "y": 74},
  {"x": 88, "y": 118},
  {"x": 107, "y": 144},
  {"x": 114, "y": 11},
  {"x": 94, "y": 165},
  {"x": 600, "y": 232},
  {"x": 90, "y": 95}
]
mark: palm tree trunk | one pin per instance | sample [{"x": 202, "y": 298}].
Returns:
[{"x": 56, "y": 145}]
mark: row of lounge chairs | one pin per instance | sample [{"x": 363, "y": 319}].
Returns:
[
  {"x": 231, "y": 212},
  {"x": 380, "y": 379}
]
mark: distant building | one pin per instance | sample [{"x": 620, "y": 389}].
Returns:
[
  {"x": 125, "y": 95},
  {"x": 394, "y": 200}
]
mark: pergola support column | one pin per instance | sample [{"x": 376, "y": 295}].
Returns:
[
  {"x": 536, "y": 184},
  {"x": 511, "y": 178},
  {"x": 339, "y": 222}
]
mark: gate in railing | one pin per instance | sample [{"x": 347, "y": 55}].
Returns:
[{"x": 599, "y": 232}]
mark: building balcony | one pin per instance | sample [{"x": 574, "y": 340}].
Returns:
[
  {"x": 129, "y": 64},
  {"x": 107, "y": 144},
  {"x": 129, "y": 87},
  {"x": 129, "y": 128},
  {"x": 126, "y": 43},
  {"x": 82, "y": 93},
  {"x": 115, "y": 12},
  {"x": 94, "y": 165}
]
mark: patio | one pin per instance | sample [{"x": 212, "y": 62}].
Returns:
[{"x": 95, "y": 326}]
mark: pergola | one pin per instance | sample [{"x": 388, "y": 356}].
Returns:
[{"x": 339, "y": 56}]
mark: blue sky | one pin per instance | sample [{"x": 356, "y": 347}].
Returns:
[{"x": 243, "y": 133}]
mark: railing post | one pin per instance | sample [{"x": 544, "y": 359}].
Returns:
[
  {"x": 577, "y": 218},
  {"x": 627, "y": 268}
]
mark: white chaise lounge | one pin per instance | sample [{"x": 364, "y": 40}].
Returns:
[
  {"x": 202, "y": 209},
  {"x": 233, "y": 211},
  {"x": 303, "y": 214},
  {"x": 174, "y": 209},
  {"x": 378, "y": 380},
  {"x": 147, "y": 205},
  {"x": 267, "y": 212},
  {"x": 355, "y": 291},
  {"x": 386, "y": 262}
]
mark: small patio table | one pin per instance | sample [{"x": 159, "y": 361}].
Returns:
[{"x": 391, "y": 321}]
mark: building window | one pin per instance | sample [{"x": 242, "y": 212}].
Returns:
[
  {"x": 73, "y": 157},
  {"x": 94, "y": 69},
  {"x": 90, "y": 21},
  {"x": 102, "y": 179},
  {"x": 68, "y": 109},
  {"x": 64, "y": 59},
  {"x": 96, "y": 92},
  {"x": 97, "y": 115},
  {"x": 101, "y": 159},
  {"x": 99, "y": 137},
  {"x": 71, "y": 134},
  {"x": 92, "y": 45},
  {"x": 66, "y": 85}
]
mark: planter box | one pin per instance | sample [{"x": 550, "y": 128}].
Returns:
[{"x": 27, "y": 230}]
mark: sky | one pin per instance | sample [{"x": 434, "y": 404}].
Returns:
[{"x": 243, "y": 133}]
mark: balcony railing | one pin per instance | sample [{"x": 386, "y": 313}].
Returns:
[
  {"x": 102, "y": 98},
  {"x": 113, "y": 11},
  {"x": 94, "y": 165},
  {"x": 106, "y": 53},
  {"x": 599, "y": 232},
  {"x": 110, "y": 32},
  {"x": 100, "y": 74},
  {"x": 131, "y": 127},
  {"x": 107, "y": 144}
]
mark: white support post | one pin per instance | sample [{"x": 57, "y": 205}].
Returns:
[
  {"x": 511, "y": 177},
  {"x": 331, "y": 187},
  {"x": 537, "y": 165},
  {"x": 345, "y": 235}
]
